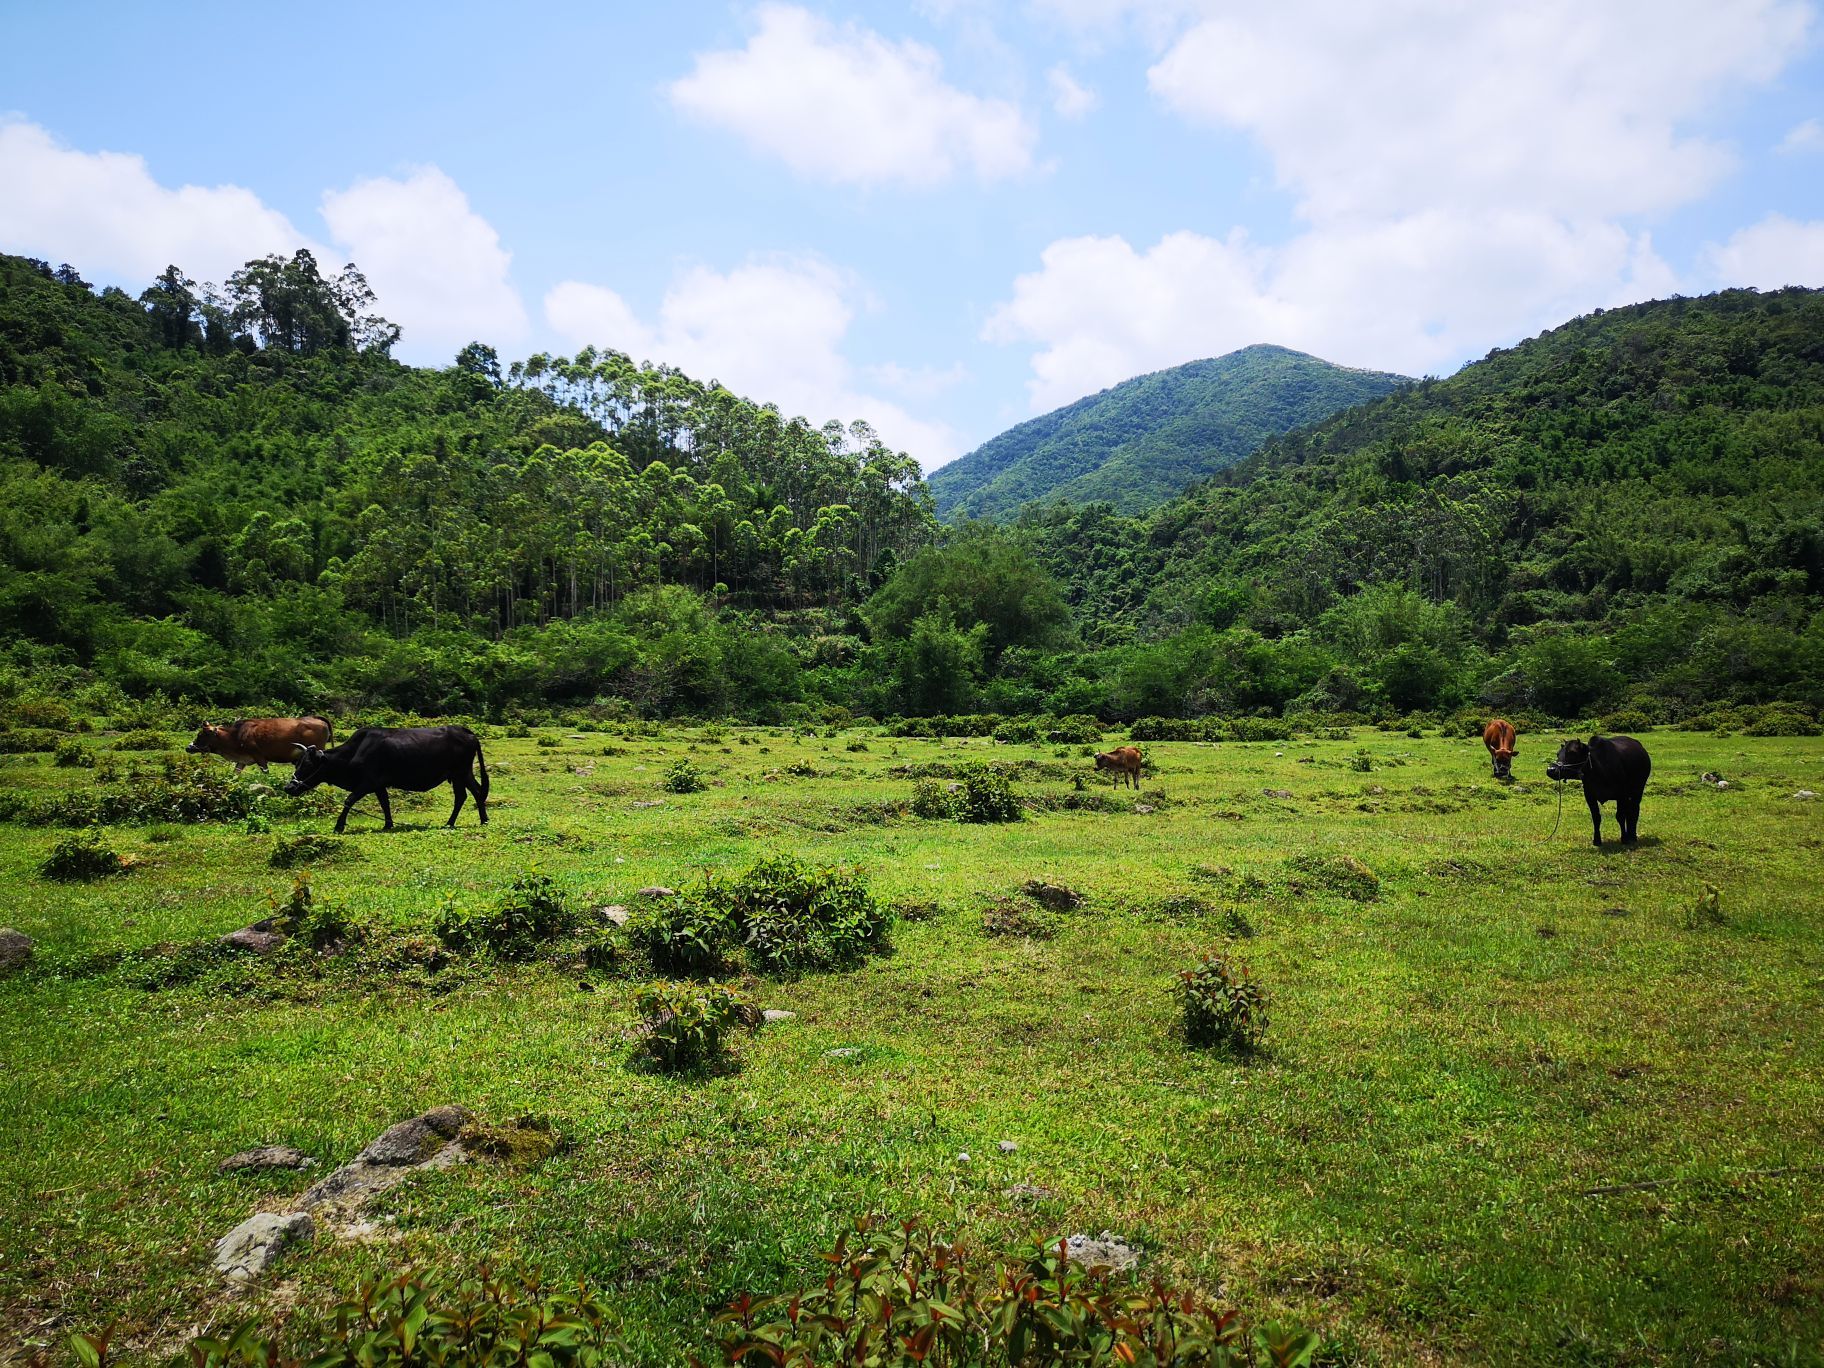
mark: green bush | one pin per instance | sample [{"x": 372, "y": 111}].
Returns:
[
  {"x": 897, "y": 1296},
  {"x": 72, "y": 754},
  {"x": 1627, "y": 721},
  {"x": 1779, "y": 720},
  {"x": 794, "y": 916},
  {"x": 1223, "y": 1004},
  {"x": 142, "y": 741},
  {"x": 309, "y": 923},
  {"x": 986, "y": 796},
  {"x": 1079, "y": 729},
  {"x": 28, "y": 740},
  {"x": 417, "y": 1318},
  {"x": 1019, "y": 730},
  {"x": 683, "y": 777},
  {"x": 50, "y": 714},
  {"x": 547, "y": 743},
  {"x": 932, "y": 799},
  {"x": 528, "y": 915},
  {"x": 81, "y": 855},
  {"x": 686, "y": 1026},
  {"x": 687, "y": 934}
]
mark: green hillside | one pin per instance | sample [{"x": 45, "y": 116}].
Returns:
[{"x": 1143, "y": 441}]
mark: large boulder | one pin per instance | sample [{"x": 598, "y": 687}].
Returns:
[{"x": 256, "y": 1243}]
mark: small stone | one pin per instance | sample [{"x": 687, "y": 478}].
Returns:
[
  {"x": 962, "y": 1156},
  {"x": 614, "y": 913},
  {"x": 1278, "y": 755},
  {"x": 255, "y": 1244},
  {"x": 1803, "y": 795},
  {"x": 772, "y": 1016},
  {"x": 657, "y": 891},
  {"x": 1143, "y": 807},
  {"x": 15, "y": 949},
  {"x": 1722, "y": 784},
  {"x": 265, "y": 1157},
  {"x": 842, "y": 1052},
  {"x": 1027, "y": 1192},
  {"x": 1008, "y": 1147},
  {"x": 1104, "y": 1250},
  {"x": 413, "y": 1141},
  {"x": 1277, "y": 793},
  {"x": 254, "y": 940},
  {"x": 1054, "y": 896}
]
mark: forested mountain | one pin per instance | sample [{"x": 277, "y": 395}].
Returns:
[
  {"x": 237, "y": 496},
  {"x": 1630, "y": 503},
  {"x": 239, "y": 493},
  {"x": 1143, "y": 441}
]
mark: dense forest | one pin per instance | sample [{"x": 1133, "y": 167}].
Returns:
[
  {"x": 1139, "y": 443},
  {"x": 237, "y": 496}
]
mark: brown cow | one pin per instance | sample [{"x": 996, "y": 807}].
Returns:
[
  {"x": 1498, "y": 736},
  {"x": 1124, "y": 760},
  {"x": 260, "y": 740}
]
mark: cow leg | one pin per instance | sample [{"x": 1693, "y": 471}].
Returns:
[
  {"x": 355, "y": 796},
  {"x": 481, "y": 800},
  {"x": 386, "y": 808},
  {"x": 1595, "y": 816},
  {"x": 1628, "y": 814},
  {"x": 461, "y": 793}
]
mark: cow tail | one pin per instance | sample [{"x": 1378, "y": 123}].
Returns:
[{"x": 482, "y": 763}]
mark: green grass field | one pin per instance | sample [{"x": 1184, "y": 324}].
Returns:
[{"x": 1455, "y": 1062}]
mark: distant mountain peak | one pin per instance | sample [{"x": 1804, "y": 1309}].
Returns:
[{"x": 1138, "y": 443}]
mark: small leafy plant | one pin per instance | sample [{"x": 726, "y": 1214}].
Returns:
[
  {"x": 1223, "y": 1004},
  {"x": 142, "y": 741},
  {"x": 932, "y": 800},
  {"x": 80, "y": 856},
  {"x": 530, "y": 913},
  {"x": 72, "y": 754},
  {"x": 687, "y": 934},
  {"x": 986, "y": 796},
  {"x": 685, "y": 1027},
  {"x": 683, "y": 777},
  {"x": 795, "y": 916}
]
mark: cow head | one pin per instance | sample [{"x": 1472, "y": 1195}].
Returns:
[
  {"x": 1572, "y": 757},
  {"x": 311, "y": 767},
  {"x": 211, "y": 740},
  {"x": 1504, "y": 762},
  {"x": 1106, "y": 760}
]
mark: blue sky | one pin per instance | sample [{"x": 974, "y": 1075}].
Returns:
[{"x": 939, "y": 217}]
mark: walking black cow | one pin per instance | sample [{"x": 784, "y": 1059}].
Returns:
[
  {"x": 375, "y": 759},
  {"x": 1609, "y": 768}
]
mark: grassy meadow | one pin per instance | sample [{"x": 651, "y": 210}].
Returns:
[{"x": 1521, "y": 1100}]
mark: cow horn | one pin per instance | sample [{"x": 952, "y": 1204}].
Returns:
[{"x": 301, "y": 750}]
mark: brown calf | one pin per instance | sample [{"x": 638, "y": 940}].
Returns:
[
  {"x": 1124, "y": 760},
  {"x": 260, "y": 741},
  {"x": 1498, "y": 736}
]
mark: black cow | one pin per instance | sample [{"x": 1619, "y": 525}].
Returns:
[
  {"x": 1609, "y": 767},
  {"x": 375, "y": 759}
]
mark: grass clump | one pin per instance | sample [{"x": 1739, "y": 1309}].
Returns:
[
  {"x": 528, "y": 915},
  {"x": 1222, "y": 1004},
  {"x": 683, "y": 777},
  {"x": 310, "y": 847},
  {"x": 80, "y": 856},
  {"x": 685, "y": 1027},
  {"x": 1342, "y": 875}
]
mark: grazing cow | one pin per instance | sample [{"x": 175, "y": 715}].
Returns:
[
  {"x": 1498, "y": 736},
  {"x": 1124, "y": 761},
  {"x": 375, "y": 759},
  {"x": 1609, "y": 767},
  {"x": 260, "y": 741}
]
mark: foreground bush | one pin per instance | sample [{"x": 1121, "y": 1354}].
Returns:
[
  {"x": 1223, "y": 1004},
  {"x": 80, "y": 856},
  {"x": 686, "y": 1026},
  {"x": 72, "y": 754},
  {"x": 530, "y": 913},
  {"x": 794, "y": 916},
  {"x": 687, "y": 934},
  {"x": 896, "y": 1295}
]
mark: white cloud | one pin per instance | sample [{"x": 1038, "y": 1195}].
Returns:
[
  {"x": 437, "y": 266},
  {"x": 1069, "y": 97},
  {"x": 104, "y": 213},
  {"x": 1803, "y": 137},
  {"x": 1558, "y": 106},
  {"x": 771, "y": 329},
  {"x": 1413, "y": 295},
  {"x": 844, "y": 104},
  {"x": 1770, "y": 255}
]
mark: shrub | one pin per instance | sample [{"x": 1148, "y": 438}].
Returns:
[
  {"x": 47, "y": 713},
  {"x": 802, "y": 769},
  {"x": 1627, "y": 720},
  {"x": 547, "y": 743},
  {"x": 1780, "y": 720},
  {"x": 896, "y": 1295},
  {"x": 1079, "y": 729},
  {"x": 931, "y": 798},
  {"x": 1362, "y": 762},
  {"x": 142, "y": 741},
  {"x": 27, "y": 740},
  {"x": 1223, "y": 1004},
  {"x": 72, "y": 754},
  {"x": 685, "y": 1026},
  {"x": 302, "y": 918},
  {"x": 184, "y": 791},
  {"x": 528, "y": 914},
  {"x": 687, "y": 935},
  {"x": 986, "y": 796},
  {"x": 794, "y": 916},
  {"x": 80, "y": 856},
  {"x": 683, "y": 777},
  {"x": 418, "y": 1318}
]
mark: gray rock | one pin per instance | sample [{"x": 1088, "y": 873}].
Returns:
[
  {"x": 1143, "y": 807},
  {"x": 256, "y": 1243},
  {"x": 1008, "y": 1147},
  {"x": 657, "y": 891},
  {"x": 265, "y": 1157},
  {"x": 1106, "y": 1250},
  {"x": 15, "y": 949},
  {"x": 1803, "y": 795},
  {"x": 428, "y": 1141},
  {"x": 842, "y": 1052},
  {"x": 257, "y": 939},
  {"x": 1277, "y": 793},
  {"x": 614, "y": 913},
  {"x": 1056, "y": 897},
  {"x": 414, "y": 1141},
  {"x": 772, "y": 1016}
]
